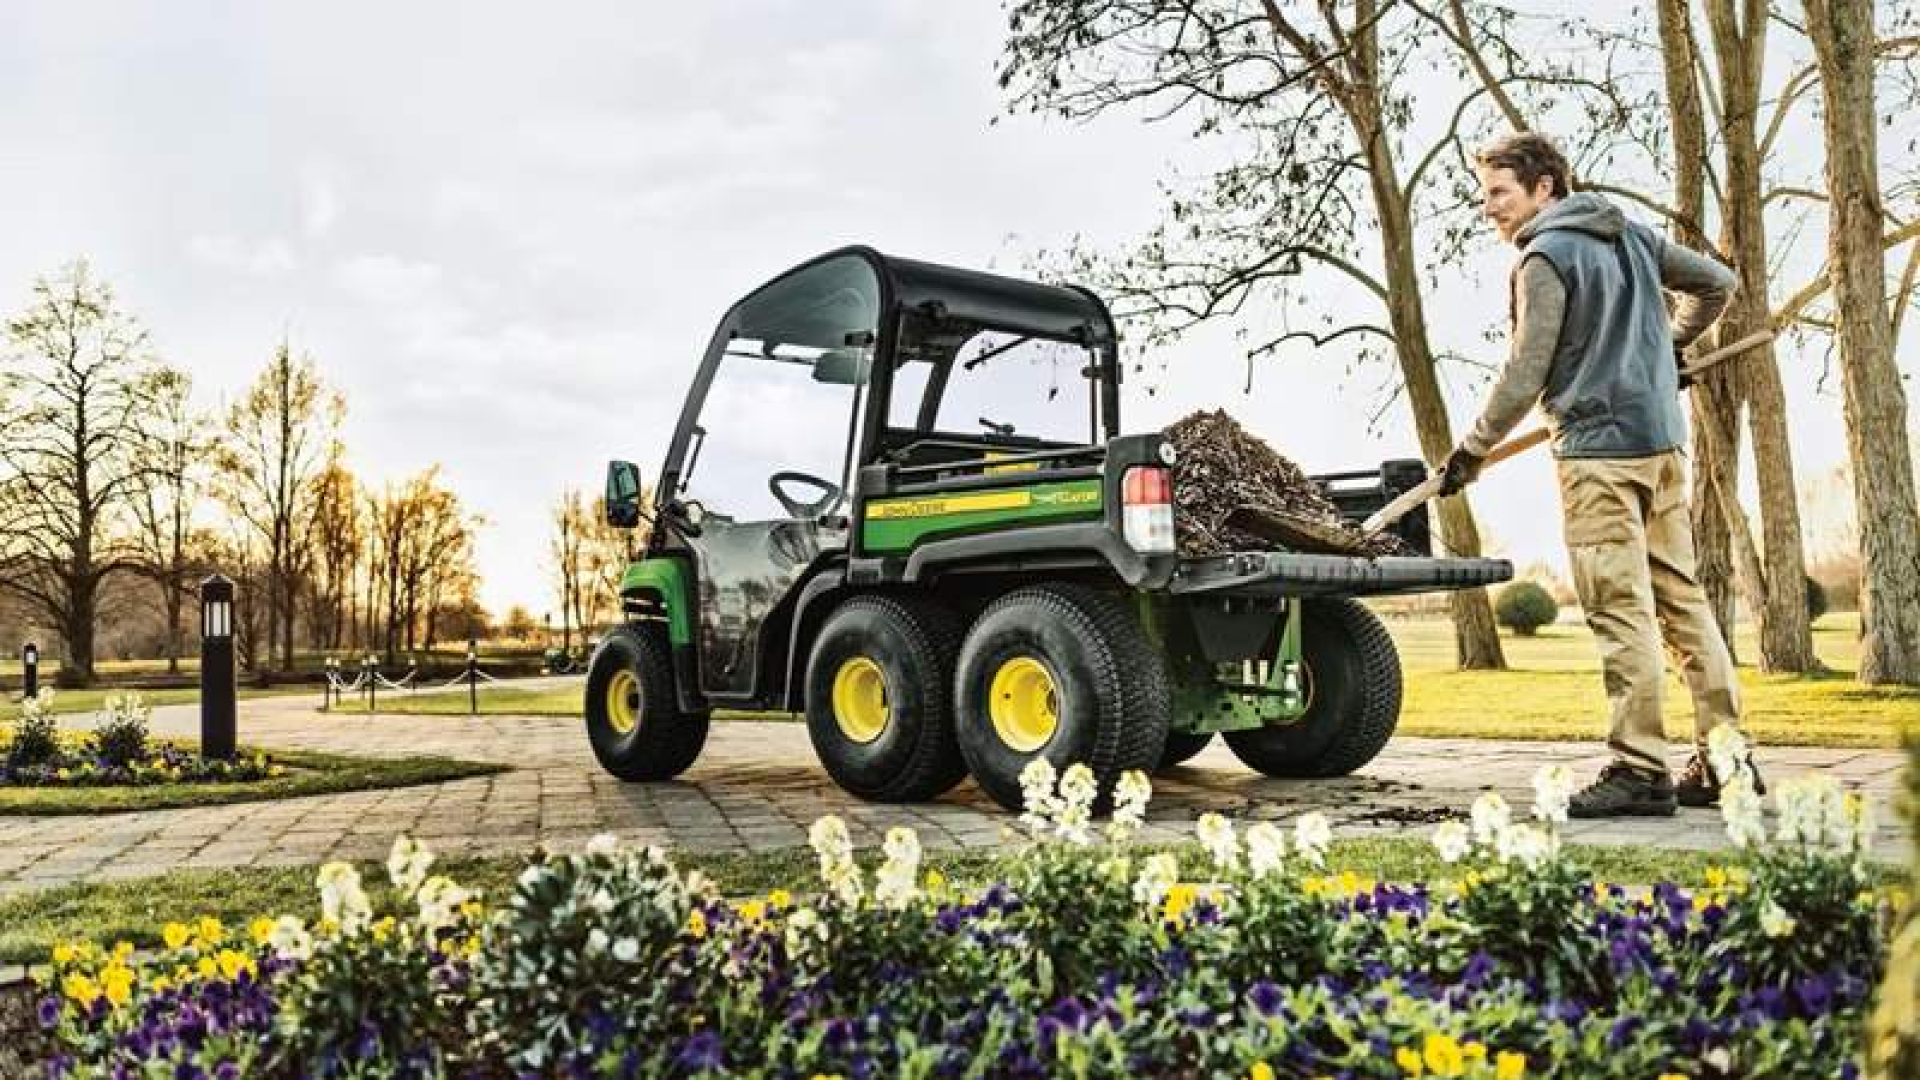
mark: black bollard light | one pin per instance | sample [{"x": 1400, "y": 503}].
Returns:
[
  {"x": 473, "y": 677},
  {"x": 29, "y": 670},
  {"x": 218, "y": 713}
]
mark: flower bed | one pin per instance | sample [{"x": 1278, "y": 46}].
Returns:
[
  {"x": 1090, "y": 960},
  {"x": 119, "y": 752}
]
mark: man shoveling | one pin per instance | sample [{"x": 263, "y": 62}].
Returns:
[{"x": 1593, "y": 344}]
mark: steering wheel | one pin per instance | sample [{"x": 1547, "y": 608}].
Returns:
[{"x": 829, "y": 494}]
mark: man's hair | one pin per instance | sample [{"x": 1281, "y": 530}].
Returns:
[{"x": 1531, "y": 157}]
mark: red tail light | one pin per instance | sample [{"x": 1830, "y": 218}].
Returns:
[{"x": 1147, "y": 485}]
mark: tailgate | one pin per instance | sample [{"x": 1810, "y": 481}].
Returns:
[{"x": 1285, "y": 573}]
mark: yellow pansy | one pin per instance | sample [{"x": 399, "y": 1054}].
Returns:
[
  {"x": 210, "y": 932},
  {"x": 781, "y": 899},
  {"x": 1409, "y": 1061},
  {"x": 162, "y": 984},
  {"x": 1673, "y": 1076},
  {"x": 935, "y": 880},
  {"x": 1180, "y": 898},
  {"x": 1716, "y": 877},
  {"x": 1510, "y": 1065},
  {"x": 754, "y": 911},
  {"x": 1260, "y": 1071},
  {"x": 117, "y": 983},
  {"x": 62, "y": 955},
  {"x": 175, "y": 935},
  {"x": 233, "y": 963},
  {"x": 261, "y": 930},
  {"x": 1442, "y": 1056},
  {"x": 1475, "y": 1051},
  {"x": 697, "y": 924},
  {"x": 207, "y": 968},
  {"x": 80, "y": 988}
]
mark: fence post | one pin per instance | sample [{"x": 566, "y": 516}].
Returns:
[
  {"x": 29, "y": 671},
  {"x": 218, "y": 712},
  {"x": 473, "y": 677},
  {"x": 373, "y": 677}
]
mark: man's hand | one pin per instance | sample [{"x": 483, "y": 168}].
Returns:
[
  {"x": 1680, "y": 365},
  {"x": 1461, "y": 469}
]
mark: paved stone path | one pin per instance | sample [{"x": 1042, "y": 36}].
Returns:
[{"x": 758, "y": 787}]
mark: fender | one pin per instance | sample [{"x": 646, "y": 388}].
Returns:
[{"x": 666, "y": 579}]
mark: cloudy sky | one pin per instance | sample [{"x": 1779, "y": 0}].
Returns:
[{"x": 507, "y": 237}]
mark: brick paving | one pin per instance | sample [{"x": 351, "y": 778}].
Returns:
[{"x": 757, "y": 787}]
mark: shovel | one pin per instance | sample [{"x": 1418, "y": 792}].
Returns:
[{"x": 1404, "y": 503}]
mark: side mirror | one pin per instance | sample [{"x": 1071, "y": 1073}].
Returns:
[{"x": 623, "y": 494}]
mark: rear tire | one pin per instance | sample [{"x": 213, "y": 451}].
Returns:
[
  {"x": 633, "y": 717},
  {"x": 879, "y": 704},
  {"x": 1353, "y": 677},
  {"x": 1077, "y": 682},
  {"x": 1182, "y": 746}
]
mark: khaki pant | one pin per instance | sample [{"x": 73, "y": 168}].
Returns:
[{"x": 1633, "y": 565}]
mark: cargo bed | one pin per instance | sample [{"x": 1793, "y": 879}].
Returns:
[{"x": 1285, "y": 573}]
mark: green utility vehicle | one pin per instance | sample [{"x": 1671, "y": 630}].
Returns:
[{"x": 898, "y": 500}]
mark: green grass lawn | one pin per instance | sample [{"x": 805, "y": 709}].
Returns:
[
  {"x": 32, "y": 923},
  {"x": 308, "y": 773},
  {"x": 1552, "y": 690},
  {"x": 67, "y": 702}
]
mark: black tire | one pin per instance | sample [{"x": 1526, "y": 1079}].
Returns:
[
  {"x": 908, "y": 647},
  {"x": 648, "y": 738},
  {"x": 1353, "y": 679},
  {"x": 1110, "y": 702},
  {"x": 1182, "y": 746}
]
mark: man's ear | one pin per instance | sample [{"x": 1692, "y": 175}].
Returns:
[{"x": 1543, "y": 186}]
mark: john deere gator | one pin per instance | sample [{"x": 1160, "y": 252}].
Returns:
[{"x": 899, "y": 500}]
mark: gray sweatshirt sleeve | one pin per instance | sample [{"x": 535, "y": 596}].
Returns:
[
  {"x": 1539, "y": 305},
  {"x": 1702, "y": 287}
]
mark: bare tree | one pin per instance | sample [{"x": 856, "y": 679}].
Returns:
[
  {"x": 338, "y": 533},
  {"x": 72, "y": 401},
  {"x": 1842, "y": 32},
  {"x": 174, "y": 446},
  {"x": 278, "y": 435},
  {"x": 568, "y": 550}
]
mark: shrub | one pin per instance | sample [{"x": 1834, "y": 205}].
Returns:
[
  {"x": 120, "y": 732},
  {"x": 36, "y": 735},
  {"x": 1816, "y": 599},
  {"x": 1525, "y": 607}
]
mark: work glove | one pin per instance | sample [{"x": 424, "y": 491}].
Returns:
[
  {"x": 1462, "y": 468},
  {"x": 1680, "y": 365}
]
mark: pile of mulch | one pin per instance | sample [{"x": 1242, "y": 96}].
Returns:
[{"x": 1221, "y": 467}]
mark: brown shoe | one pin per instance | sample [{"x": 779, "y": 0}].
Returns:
[
  {"x": 1623, "y": 791},
  {"x": 1699, "y": 787}
]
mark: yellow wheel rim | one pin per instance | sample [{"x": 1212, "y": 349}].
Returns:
[
  {"x": 623, "y": 702},
  {"x": 1023, "y": 704},
  {"x": 860, "y": 699}
]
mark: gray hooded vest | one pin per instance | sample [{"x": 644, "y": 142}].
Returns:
[{"x": 1612, "y": 390}]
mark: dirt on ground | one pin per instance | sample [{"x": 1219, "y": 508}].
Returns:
[
  {"x": 24, "y": 1046},
  {"x": 1222, "y": 467}
]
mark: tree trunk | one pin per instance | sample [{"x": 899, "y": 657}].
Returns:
[
  {"x": 1875, "y": 403},
  {"x": 1687, "y": 119},
  {"x": 1476, "y": 637},
  {"x": 1786, "y": 639},
  {"x": 171, "y": 603}
]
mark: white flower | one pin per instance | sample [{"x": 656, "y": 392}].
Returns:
[
  {"x": 1036, "y": 796},
  {"x": 1266, "y": 848},
  {"x": 1806, "y": 804},
  {"x": 1216, "y": 835},
  {"x": 601, "y": 902},
  {"x": 804, "y": 929},
  {"x": 532, "y": 875},
  {"x": 290, "y": 938},
  {"x": 1491, "y": 815},
  {"x": 1078, "y": 787},
  {"x": 603, "y": 844},
  {"x": 1552, "y": 792},
  {"x": 1311, "y": 838},
  {"x": 408, "y": 863},
  {"x": 1158, "y": 874},
  {"x": 1530, "y": 846},
  {"x": 896, "y": 884},
  {"x": 342, "y": 901},
  {"x": 1727, "y": 752},
  {"x": 597, "y": 941},
  {"x": 1740, "y": 808},
  {"x": 1774, "y": 922},
  {"x": 1452, "y": 841},
  {"x": 1131, "y": 793},
  {"x": 626, "y": 950},
  {"x": 829, "y": 838},
  {"x": 440, "y": 901}
]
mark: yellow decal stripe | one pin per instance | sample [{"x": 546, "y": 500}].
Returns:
[{"x": 958, "y": 504}]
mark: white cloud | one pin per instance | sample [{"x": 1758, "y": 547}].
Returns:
[
  {"x": 264, "y": 258},
  {"x": 320, "y": 205}
]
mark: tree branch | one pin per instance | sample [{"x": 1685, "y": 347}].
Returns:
[{"x": 1790, "y": 311}]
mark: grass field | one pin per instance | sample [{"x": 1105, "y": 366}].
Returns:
[
  {"x": 1552, "y": 690},
  {"x": 68, "y": 702},
  {"x": 32, "y": 923},
  {"x": 308, "y": 773}
]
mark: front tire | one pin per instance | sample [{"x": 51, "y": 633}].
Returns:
[
  {"x": 1353, "y": 681},
  {"x": 634, "y": 721},
  {"x": 1061, "y": 672},
  {"x": 879, "y": 704}
]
